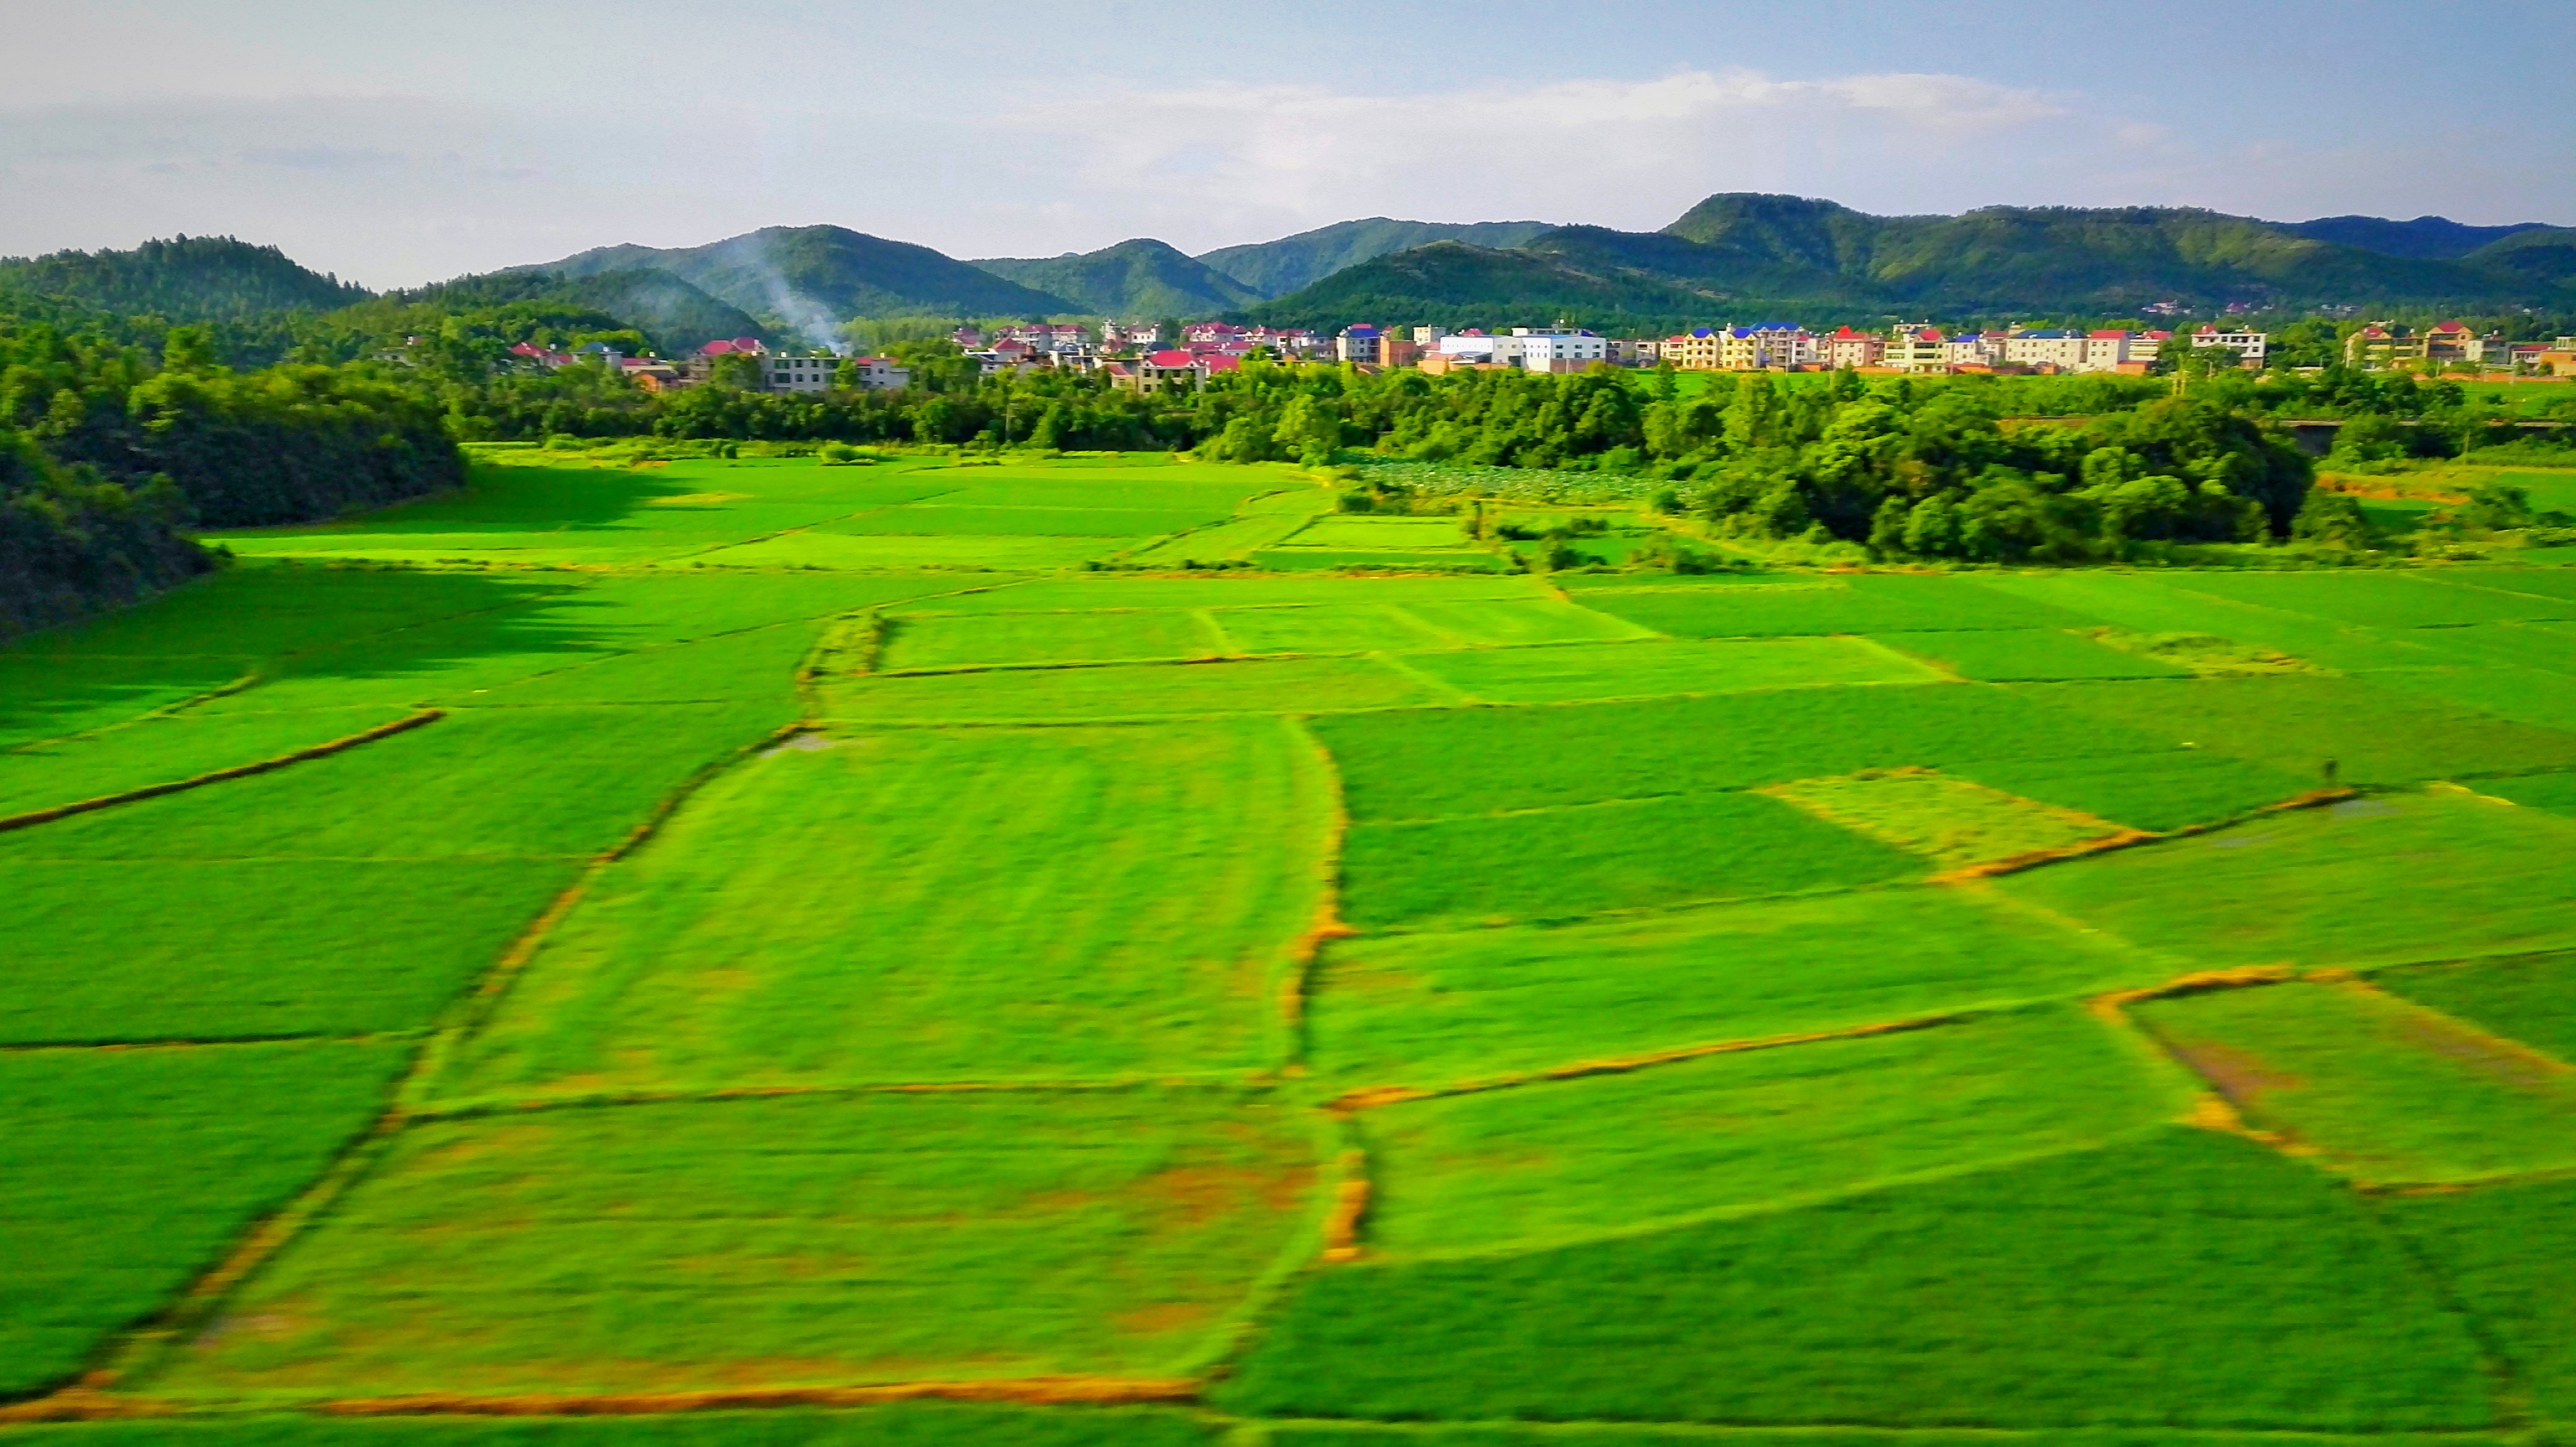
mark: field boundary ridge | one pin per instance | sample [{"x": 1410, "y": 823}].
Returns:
[
  {"x": 1036, "y": 1391},
  {"x": 1375, "y": 1097},
  {"x": 238, "y": 771}
]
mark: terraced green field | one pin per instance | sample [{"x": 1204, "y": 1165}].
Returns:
[{"x": 1114, "y": 953}]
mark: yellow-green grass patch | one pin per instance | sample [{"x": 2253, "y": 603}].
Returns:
[
  {"x": 1429, "y": 1010},
  {"x": 1347, "y": 532},
  {"x": 2378, "y": 1088},
  {"x": 2531, "y": 999},
  {"x": 1952, "y": 822},
  {"x": 1329, "y": 628},
  {"x": 989, "y": 905},
  {"x": 130, "y": 1171},
  {"x": 2368, "y": 882},
  {"x": 818, "y": 1241},
  {"x": 1129, "y": 691},
  {"x": 2189, "y": 1279},
  {"x": 1548, "y": 1163},
  {"x": 2014, "y": 655},
  {"x": 993, "y": 639},
  {"x": 917, "y": 1423},
  {"x": 1590, "y": 858}
]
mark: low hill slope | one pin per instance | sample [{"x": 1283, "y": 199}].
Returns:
[
  {"x": 187, "y": 278},
  {"x": 670, "y": 312},
  {"x": 812, "y": 278},
  {"x": 1142, "y": 278},
  {"x": 1275, "y": 268},
  {"x": 2426, "y": 238}
]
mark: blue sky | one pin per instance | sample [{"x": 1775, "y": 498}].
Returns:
[{"x": 400, "y": 144}]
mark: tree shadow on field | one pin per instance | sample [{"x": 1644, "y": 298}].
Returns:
[
  {"x": 290, "y": 623},
  {"x": 517, "y": 499}
]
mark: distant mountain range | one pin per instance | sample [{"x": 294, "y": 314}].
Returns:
[
  {"x": 1742, "y": 255},
  {"x": 1732, "y": 257}
]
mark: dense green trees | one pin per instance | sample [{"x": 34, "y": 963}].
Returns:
[{"x": 71, "y": 541}]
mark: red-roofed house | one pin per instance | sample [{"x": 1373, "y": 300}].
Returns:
[{"x": 1848, "y": 348}]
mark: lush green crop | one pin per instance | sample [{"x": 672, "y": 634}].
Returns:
[
  {"x": 2531, "y": 1000},
  {"x": 2012, "y": 655},
  {"x": 1416, "y": 765},
  {"x": 2377, "y": 599},
  {"x": 1582, "y": 674},
  {"x": 1241, "y": 590},
  {"x": 987, "y": 1029},
  {"x": 988, "y": 905},
  {"x": 166, "y": 949},
  {"x": 2384, "y": 1090},
  {"x": 2187, "y": 1280},
  {"x": 1588, "y": 858},
  {"x": 2146, "y": 791},
  {"x": 2297, "y": 723},
  {"x": 2507, "y": 1254},
  {"x": 130, "y": 1171},
  {"x": 1869, "y": 603},
  {"x": 823, "y": 1240},
  {"x": 2369, "y": 882},
  {"x": 1128, "y": 691},
  {"x": 1008, "y": 638},
  {"x": 1431, "y": 1009},
  {"x": 1549, "y": 1163}
]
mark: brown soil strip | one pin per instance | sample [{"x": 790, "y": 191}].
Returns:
[
  {"x": 1384, "y": 1095},
  {"x": 1327, "y": 924},
  {"x": 1350, "y": 1205},
  {"x": 2127, "y": 838},
  {"x": 1040, "y": 1391},
  {"x": 238, "y": 771},
  {"x": 2217, "y": 1108}
]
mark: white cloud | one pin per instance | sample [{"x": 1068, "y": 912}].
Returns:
[{"x": 1611, "y": 151}]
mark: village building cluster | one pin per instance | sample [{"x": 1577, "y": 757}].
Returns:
[{"x": 1138, "y": 356}]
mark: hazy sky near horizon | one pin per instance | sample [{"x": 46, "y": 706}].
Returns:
[{"x": 398, "y": 145}]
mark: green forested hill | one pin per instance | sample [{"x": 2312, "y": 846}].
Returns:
[
  {"x": 1138, "y": 279},
  {"x": 1275, "y": 268},
  {"x": 813, "y": 278},
  {"x": 673, "y": 315},
  {"x": 187, "y": 278},
  {"x": 1755, "y": 253}
]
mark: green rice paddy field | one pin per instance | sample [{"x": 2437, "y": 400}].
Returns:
[{"x": 753, "y": 952}]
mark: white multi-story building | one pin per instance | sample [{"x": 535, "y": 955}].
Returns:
[
  {"x": 1917, "y": 347},
  {"x": 2046, "y": 347},
  {"x": 2247, "y": 345},
  {"x": 799, "y": 374},
  {"x": 1560, "y": 351},
  {"x": 880, "y": 374}
]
